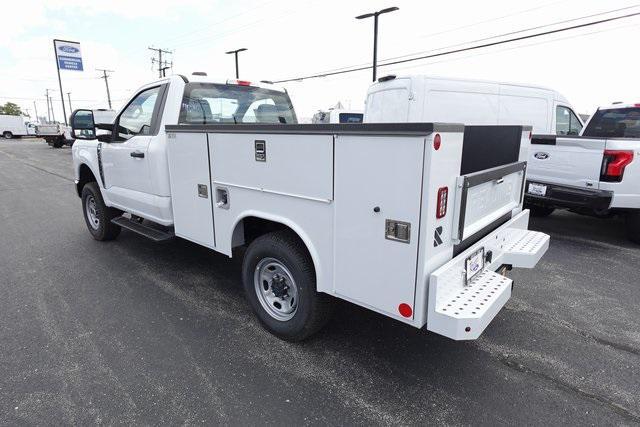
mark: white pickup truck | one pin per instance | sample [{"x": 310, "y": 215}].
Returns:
[
  {"x": 596, "y": 173},
  {"x": 412, "y": 220}
]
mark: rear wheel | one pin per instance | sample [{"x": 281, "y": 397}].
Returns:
[
  {"x": 58, "y": 143},
  {"x": 633, "y": 226},
  {"x": 540, "y": 211},
  {"x": 280, "y": 283},
  {"x": 97, "y": 215},
  {"x": 7, "y": 135}
]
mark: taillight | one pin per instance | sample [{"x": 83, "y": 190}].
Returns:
[
  {"x": 437, "y": 141},
  {"x": 239, "y": 82},
  {"x": 613, "y": 164},
  {"x": 441, "y": 208}
]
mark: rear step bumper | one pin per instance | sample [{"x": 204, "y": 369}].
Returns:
[
  {"x": 560, "y": 196},
  {"x": 462, "y": 312},
  {"x": 152, "y": 233}
]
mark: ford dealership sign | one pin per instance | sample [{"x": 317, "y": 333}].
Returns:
[{"x": 68, "y": 55}]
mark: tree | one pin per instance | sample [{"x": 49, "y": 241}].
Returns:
[{"x": 11, "y": 109}]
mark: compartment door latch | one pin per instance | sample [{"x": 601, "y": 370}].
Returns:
[{"x": 398, "y": 231}]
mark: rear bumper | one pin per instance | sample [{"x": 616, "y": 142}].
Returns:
[
  {"x": 559, "y": 196},
  {"x": 460, "y": 310}
]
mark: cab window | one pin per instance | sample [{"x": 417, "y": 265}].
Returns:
[
  {"x": 567, "y": 123},
  {"x": 137, "y": 118}
]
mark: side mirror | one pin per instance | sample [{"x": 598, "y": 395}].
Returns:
[{"x": 82, "y": 125}]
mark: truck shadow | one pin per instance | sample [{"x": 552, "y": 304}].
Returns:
[{"x": 568, "y": 225}]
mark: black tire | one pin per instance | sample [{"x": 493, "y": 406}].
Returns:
[
  {"x": 633, "y": 226},
  {"x": 313, "y": 308},
  {"x": 58, "y": 143},
  {"x": 540, "y": 211},
  {"x": 105, "y": 229},
  {"x": 7, "y": 135}
]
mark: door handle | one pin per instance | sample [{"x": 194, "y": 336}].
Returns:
[{"x": 138, "y": 154}]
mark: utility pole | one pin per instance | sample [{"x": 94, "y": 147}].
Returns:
[
  {"x": 53, "y": 113},
  {"x": 46, "y": 93},
  {"x": 162, "y": 65},
  {"x": 69, "y": 98},
  {"x": 235, "y": 52},
  {"x": 375, "y": 33},
  {"x": 50, "y": 113},
  {"x": 36, "y": 109},
  {"x": 105, "y": 76}
]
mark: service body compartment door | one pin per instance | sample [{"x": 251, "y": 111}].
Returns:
[
  {"x": 190, "y": 180},
  {"x": 378, "y": 185}
]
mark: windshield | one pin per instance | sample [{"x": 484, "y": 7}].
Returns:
[
  {"x": 615, "y": 123},
  {"x": 208, "y": 103}
]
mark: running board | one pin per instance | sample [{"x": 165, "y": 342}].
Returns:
[{"x": 144, "y": 230}]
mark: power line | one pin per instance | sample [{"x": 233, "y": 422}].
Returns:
[
  {"x": 450, "y": 52},
  {"x": 516, "y": 47},
  {"x": 538, "y": 27},
  {"x": 382, "y": 61}
]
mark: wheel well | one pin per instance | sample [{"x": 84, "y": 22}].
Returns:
[
  {"x": 86, "y": 176},
  {"x": 251, "y": 227}
]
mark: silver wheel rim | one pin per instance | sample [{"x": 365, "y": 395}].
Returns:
[
  {"x": 92, "y": 215},
  {"x": 275, "y": 288}
]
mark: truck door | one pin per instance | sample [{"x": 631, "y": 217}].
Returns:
[
  {"x": 377, "y": 209},
  {"x": 125, "y": 161},
  {"x": 566, "y": 159}
]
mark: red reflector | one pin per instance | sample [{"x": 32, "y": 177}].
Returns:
[
  {"x": 405, "y": 310},
  {"x": 437, "y": 141},
  {"x": 613, "y": 164},
  {"x": 530, "y": 135},
  {"x": 243, "y": 83},
  {"x": 441, "y": 207}
]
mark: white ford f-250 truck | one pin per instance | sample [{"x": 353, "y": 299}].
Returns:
[
  {"x": 596, "y": 173},
  {"x": 412, "y": 220}
]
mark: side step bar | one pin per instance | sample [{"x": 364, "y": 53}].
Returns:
[{"x": 149, "y": 232}]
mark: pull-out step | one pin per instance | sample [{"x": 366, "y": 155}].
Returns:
[
  {"x": 461, "y": 306},
  {"x": 152, "y": 233}
]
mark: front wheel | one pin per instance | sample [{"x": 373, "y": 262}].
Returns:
[
  {"x": 7, "y": 135},
  {"x": 633, "y": 226},
  {"x": 97, "y": 215},
  {"x": 280, "y": 283}
]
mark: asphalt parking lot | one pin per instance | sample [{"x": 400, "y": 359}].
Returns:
[{"x": 135, "y": 332}]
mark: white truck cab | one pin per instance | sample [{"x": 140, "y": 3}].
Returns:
[
  {"x": 412, "y": 220},
  {"x": 421, "y": 98}
]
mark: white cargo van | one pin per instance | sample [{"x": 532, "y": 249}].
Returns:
[{"x": 472, "y": 102}]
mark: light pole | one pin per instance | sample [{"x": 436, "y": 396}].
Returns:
[
  {"x": 235, "y": 52},
  {"x": 375, "y": 33}
]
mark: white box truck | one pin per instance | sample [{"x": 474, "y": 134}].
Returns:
[
  {"x": 13, "y": 126},
  {"x": 415, "y": 221}
]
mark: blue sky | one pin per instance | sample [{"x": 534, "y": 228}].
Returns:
[{"x": 288, "y": 38}]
